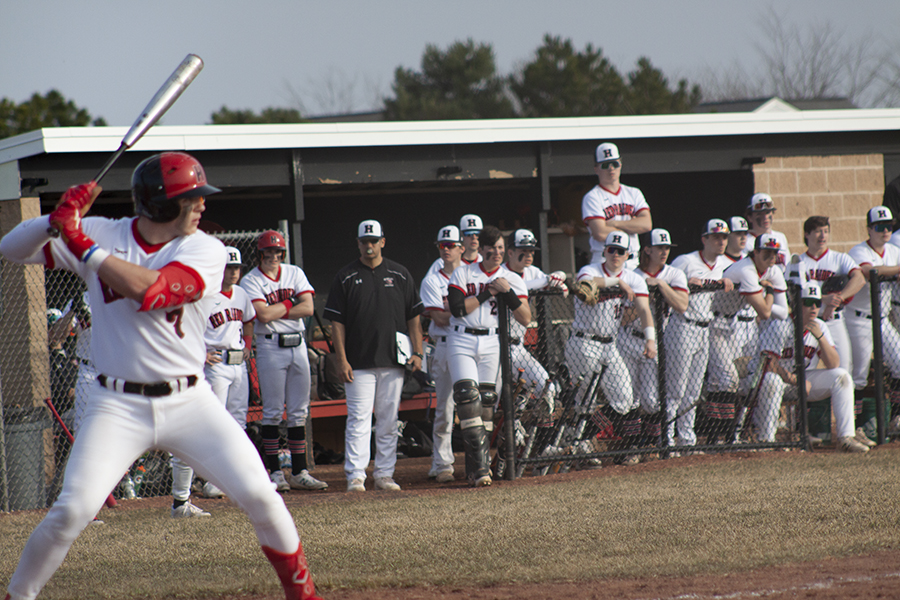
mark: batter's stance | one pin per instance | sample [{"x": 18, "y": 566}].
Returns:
[{"x": 149, "y": 279}]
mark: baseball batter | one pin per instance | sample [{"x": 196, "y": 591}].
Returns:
[
  {"x": 761, "y": 213},
  {"x": 821, "y": 383},
  {"x": 874, "y": 253},
  {"x": 611, "y": 206},
  {"x": 671, "y": 283},
  {"x": 149, "y": 279},
  {"x": 687, "y": 336},
  {"x": 282, "y": 297},
  {"x": 820, "y": 264},
  {"x": 225, "y": 371},
  {"x": 474, "y": 348},
  {"x": 470, "y": 226},
  {"x": 591, "y": 348},
  {"x": 433, "y": 292}
]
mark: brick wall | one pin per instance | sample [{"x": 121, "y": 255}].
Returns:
[{"x": 842, "y": 188}]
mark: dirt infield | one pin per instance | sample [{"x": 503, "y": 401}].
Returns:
[{"x": 875, "y": 575}]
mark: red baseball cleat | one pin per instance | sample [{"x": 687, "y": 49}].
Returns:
[{"x": 294, "y": 574}]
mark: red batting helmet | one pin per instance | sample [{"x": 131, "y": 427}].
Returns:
[
  {"x": 160, "y": 181},
  {"x": 270, "y": 239}
]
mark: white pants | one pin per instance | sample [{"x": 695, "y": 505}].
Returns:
[
  {"x": 726, "y": 345},
  {"x": 84, "y": 385},
  {"x": 372, "y": 391},
  {"x": 231, "y": 385},
  {"x": 475, "y": 357},
  {"x": 284, "y": 380},
  {"x": 824, "y": 382},
  {"x": 644, "y": 371},
  {"x": 116, "y": 430},
  {"x": 687, "y": 356},
  {"x": 838, "y": 329},
  {"x": 859, "y": 330},
  {"x": 442, "y": 455},
  {"x": 586, "y": 357}
]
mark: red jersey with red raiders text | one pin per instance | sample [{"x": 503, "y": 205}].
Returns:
[
  {"x": 225, "y": 325},
  {"x": 811, "y": 348},
  {"x": 624, "y": 205},
  {"x": 291, "y": 280},
  {"x": 162, "y": 344},
  {"x": 471, "y": 280},
  {"x": 603, "y": 318}
]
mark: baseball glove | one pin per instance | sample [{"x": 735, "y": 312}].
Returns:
[
  {"x": 587, "y": 291},
  {"x": 833, "y": 284}
]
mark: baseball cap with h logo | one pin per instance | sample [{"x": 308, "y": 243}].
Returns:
[
  {"x": 879, "y": 214},
  {"x": 715, "y": 226},
  {"x": 370, "y": 229},
  {"x": 450, "y": 233},
  {"x": 470, "y": 224},
  {"x": 606, "y": 151}
]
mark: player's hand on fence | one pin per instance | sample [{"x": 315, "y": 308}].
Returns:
[
  {"x": 586, "y": 290},
  {"x": 629, "y": 293},
  {"x": 727, "y": 284},
  {"x": 650, "y": 349},
  {"x": 499, "y": 286},
  {"x": 558, "y": 281}
]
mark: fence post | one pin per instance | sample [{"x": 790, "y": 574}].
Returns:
[
  {"x": 506, "y": 400},
  {"x": 878, "y": 353},
  {"x": 659, "y": 317},
  {"x": 799, "y": 364}
]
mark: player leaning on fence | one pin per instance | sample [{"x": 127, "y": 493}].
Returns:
[{"x": 149, "y": 279}]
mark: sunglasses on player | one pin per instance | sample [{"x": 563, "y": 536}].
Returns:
[
  {"x": 615, "y": 250},
  {"x": 611, "y": 164},
  {"x": 810, "y": 302},
  {"x": 447, "y": 245},
  {"x": 881, "y": 227}
]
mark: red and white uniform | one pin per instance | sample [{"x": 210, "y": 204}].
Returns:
[
  {"x": 521, "y": 358},
  {"x": 433, "y": 293},
  {"x": 224, "y": 332},
  {"x": 645, "y": 371},
  {"x": 476, "y": 356},
  {"x": 824, "y": 383},
  {"x": 859, "y": 315},
  {"x": 784, "y": 253},
  {"x": 162, "y": 346},
  {"x": 820, "y": 268},
  {"x": 591, "y": 347},
  {"x": 687, "y": 345},
  {"x": 284, "y": 376},
  {"x": 623, "y": 205}
]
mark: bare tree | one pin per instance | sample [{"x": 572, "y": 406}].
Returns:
[{"x": 334, "y": 92}]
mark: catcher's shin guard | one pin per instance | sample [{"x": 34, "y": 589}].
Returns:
[
  {"x": 488, "y": 401},
  {"x": 293, "y": 572},
  {"x": 475, "y": 439}
]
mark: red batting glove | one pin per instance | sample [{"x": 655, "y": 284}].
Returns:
[
  {"x": 67, "y": 218},
  {"x": 78, "y": 196}
]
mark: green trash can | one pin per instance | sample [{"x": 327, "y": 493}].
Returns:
[
  {"x": 819, "y": 414},
  {"x": 24, "y": 436},
  {"x": 867, "y": 418}
]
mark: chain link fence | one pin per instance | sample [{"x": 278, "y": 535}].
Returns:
[{"x": 45, "y": 377}]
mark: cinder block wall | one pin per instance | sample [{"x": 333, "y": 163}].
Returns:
[{"x": 842, "y": 188}]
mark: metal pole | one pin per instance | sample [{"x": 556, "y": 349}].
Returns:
[
  {"x": 799, "y": 366},
  {"x": 506, "y": 400},
  {"x": 878, "y": 353},
  {"x": 659, "y": 307}
]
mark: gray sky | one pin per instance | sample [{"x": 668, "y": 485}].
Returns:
[{"x": 110, "y": 56}]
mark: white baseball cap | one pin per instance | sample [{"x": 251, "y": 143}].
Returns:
[
  {"x": 739, "y": 225},
  {"x": 450, "y": 233},
  {"x": 53, "y": 315},
  {"x": 470, "y": 223},
  {"x": 618, "y": 239},
  {"x": 715, "y": 226},
  {"x": 370, "y": 229},
  {"x": 232, "y": 256},
  {"x": 606, "y": 151},
  {"x": 524, "y": 239},
  {"x": 656, "y": 237},
  {"x": 879, "y": 214},
  {"x": 766, "y": 241},
  {"x": 760, "y": 202},
  {"x": 811, "y": 289}
]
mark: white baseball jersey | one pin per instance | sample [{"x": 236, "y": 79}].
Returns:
[
  {"x": 534, "y": 279},
  {"x": 624, "y": 205},
  {"x": 225, "y": 325},
  {"x": 603, "y": 317},
  {"x": 864, "y": 254},
  {"x": 747, "y": 280},
  {"x": 811, "y": 348},
  {"x": 784, "y": 253},
  {"x": 433, "y": 293},
  {"x": 828, "y": 264},
  {"x": 472, "y": 280},
  {"x": 694, "y": 266},
  {"x": 163, "y": 344},
  {"x": 672, "y": 276},
  {"x": 439, "y": 264},
  {"x": 260, "y": 287}
]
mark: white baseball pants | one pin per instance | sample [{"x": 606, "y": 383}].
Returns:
[
  {"x": 442, "y": 455},
  {"x": 372, "y": 391},
  {"x": 284, "y": 381},
  {"x": 824, "y": 382}
]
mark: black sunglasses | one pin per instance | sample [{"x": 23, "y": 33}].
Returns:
[
  {"x": 881, "y": 227},
  {"x": 612, "y": 164},
  {"x": 810, "y": 302},
  {"x": 615, "y": 250}
]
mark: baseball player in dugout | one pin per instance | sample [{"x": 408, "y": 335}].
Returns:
[
  {"x": 761, "y": 214},
  {"x": 374, "y": 310},
  {"x": 470, "y": 226},
  {"x": 434, "y": 300},
  {"x": 611, "y": 206},
  {"x": 474, "y": 346},
  {"x": 875, "y": 253},
  {"x": 282, "y": 297},
  {"x": 227, "y": 328},
  {"x": 591, "y": 351},
  {"x": 687, "y": 336},
  {"x": 779, "y": 379},
  {"x": 671, "y": 283},
  {"x": 521, "y": 247},
  {"x": 839, "y": 277},
  {"x": 150, "y": 279}
]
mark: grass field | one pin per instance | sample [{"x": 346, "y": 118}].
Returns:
[{"x": 721, "y": 515}]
